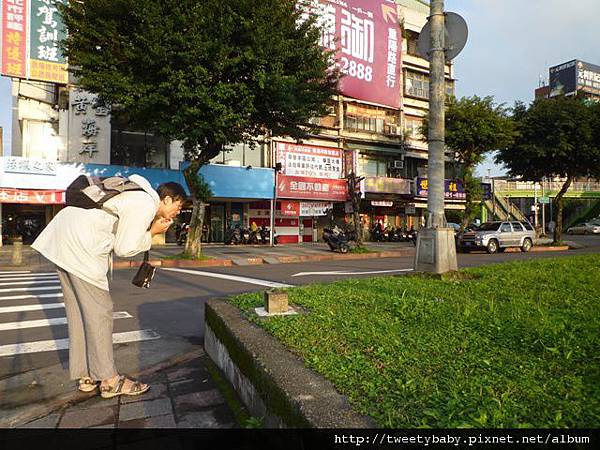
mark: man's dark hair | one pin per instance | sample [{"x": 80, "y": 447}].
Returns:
[{"x": 173, "y": 190}]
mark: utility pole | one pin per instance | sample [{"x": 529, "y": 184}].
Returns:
[{"x": 436, "y": 250}]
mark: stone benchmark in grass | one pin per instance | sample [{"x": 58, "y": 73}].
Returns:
[{"x": 511, "y": 345}]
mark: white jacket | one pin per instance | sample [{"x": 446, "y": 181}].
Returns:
[{"x": 80, "y": 241}]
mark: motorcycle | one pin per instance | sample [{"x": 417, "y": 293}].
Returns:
[
  {"x": 245, "y": 236},
  {"x": 183, "y": 234},
  {"x": 233, "y": 236},
  {"x": 264, "y": 235},
  {"x": 253, "y": 238},
  {"x": 336, "y": 241},
  {"x": 376, "y": 234},
  {"x": 412, "y": 236}
]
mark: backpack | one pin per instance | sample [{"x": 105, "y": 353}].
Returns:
[{"x": 90, "y": 192}]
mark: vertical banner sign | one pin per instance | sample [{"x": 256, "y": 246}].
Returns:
[
  {"x": 366, "y": 38},
  {"x": 46, "y": 61},
  {"x": 31, "y": 32},
  {"x": 14, "y": 38}
]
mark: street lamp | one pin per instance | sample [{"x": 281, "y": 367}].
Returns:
[{"x": 436, "y": 249}]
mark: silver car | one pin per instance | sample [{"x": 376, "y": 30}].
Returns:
[
  {"x": 585, "y": 228},
  {"x": 498, "y": 236}
]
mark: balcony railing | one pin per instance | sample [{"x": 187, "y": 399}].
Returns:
[{"x": 549, "y": 186}]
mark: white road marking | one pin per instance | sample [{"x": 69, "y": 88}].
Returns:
[
  {"x": 24, "y": 308},
  {"x": 232, "y": 278},
  {"x": 36, "y": 297},
  {"x": 50, "y": 322},
  {"x": 21, "y": 283},
  {"x": 63, "y": 344},
  {"x": 15, "y": 271},
  {"x": 45, "y": 288},
  {"x": 341, "y": 272},
  {"x": 31, "y": 278},
  {"x": 26, "y": 274}
]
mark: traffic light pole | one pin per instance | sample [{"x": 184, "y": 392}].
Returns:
[{"x": 436, "y": 249}]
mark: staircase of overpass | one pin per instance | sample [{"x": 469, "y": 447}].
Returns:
[{"x": 505, "y": 192}]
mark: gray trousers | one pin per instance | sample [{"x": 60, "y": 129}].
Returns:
[{"x": 90, "y": 321}]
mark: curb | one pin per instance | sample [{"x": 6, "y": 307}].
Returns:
[
  {"x": 258, "y": 260},
  {"x": 75, "y": 397},
  {"x": 271, "y": 381},
  {"x": 539, "y": 249}
]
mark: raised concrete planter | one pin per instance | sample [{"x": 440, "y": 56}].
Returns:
[{"x": 273, "y": 383}]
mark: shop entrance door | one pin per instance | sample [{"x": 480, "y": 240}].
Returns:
[{"x": 217, "y": 223}]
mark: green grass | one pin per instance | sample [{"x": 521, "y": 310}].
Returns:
[
  {"x": 511, "y": 345},
  {"x": 360, "y": 250},
  {"x": 184, "y": 256}
]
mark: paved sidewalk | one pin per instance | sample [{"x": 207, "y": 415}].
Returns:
[
  {"x": 228, "y": 254},
  {"x": 183, "y": 396}
]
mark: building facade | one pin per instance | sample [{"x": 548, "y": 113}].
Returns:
[{"x": 372, "y": 130}]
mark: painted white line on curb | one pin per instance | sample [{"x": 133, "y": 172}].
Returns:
[
  {"x": 36, "y": 297},
  {"x": 45, "y": 288},
  {"x": 21, "y": 283},
  {"x": 50, "y": 322},
  {"x": 340, "y": 272},
  {"x": 232, "y": 278},
  {"x": 63, "y": 344},
  {"x": 25, "y": 308}
]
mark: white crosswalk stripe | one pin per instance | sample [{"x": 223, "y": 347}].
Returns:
[
  {"x": 26, "y": 308},
  {"x": 30, "y": 282},
  {"x": 43, "y": 277},
  {"x": 21, "y": 294},
  {"x": 50, "y": 322},
  {"x": 24, "y": 297},
  {"x": 45, "y": 288},
  {"x": 63, "y": 344}
]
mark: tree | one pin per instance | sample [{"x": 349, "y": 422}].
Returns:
[
  {"x": 208, "y": 73},
  {"x": 556, "y": 137},
  {"x": 355, "y": 197},
  {"x": 474, "y": 126}
]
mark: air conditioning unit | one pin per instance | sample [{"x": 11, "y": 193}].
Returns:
[{"x": 397, "y": 164}]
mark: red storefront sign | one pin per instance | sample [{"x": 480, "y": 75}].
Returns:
[
  {"x": 32, "y": 197},
  {"x": 367, "y": 41},
  {"x": 291, "y": 209},
  {"x": 14, "y": 38},
  {"x": 306, "y": 188}
]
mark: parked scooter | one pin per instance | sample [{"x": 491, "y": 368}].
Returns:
[
  {"x": 412, "y": 236},
  {"x": 376, "y": 234},
  {"x": 336, "y": 241},
  {"x": 264, "y": 235},
  {"x": 233, "y": 236},
  {"x": 183, "y": 234}
]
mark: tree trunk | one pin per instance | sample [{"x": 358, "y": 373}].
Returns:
[
  {"x": 471, "y": 194},
  {"x": 558, "y": 207},
  {"x": 357, "y": 222},
  {"x": 193, "y": 245}
]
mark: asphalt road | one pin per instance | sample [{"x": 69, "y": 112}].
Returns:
[{"x": 173, "y": 308}]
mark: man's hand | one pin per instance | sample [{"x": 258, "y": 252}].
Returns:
[{"x": 160, "y": 226}]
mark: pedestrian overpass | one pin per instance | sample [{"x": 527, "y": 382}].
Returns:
[{"x": 506, "y": 193}]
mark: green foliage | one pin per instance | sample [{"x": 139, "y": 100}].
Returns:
[
  {"x": 556, "y": 137},
  {"x": 510, "y": 345},
  {"x": 208, "y": 73},
  {"x": 360, "y": 250},
  {"x": 475, "y": 126}
]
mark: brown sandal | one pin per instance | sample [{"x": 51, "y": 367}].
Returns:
[
  {"x": 137, "y": 388},
  {"x": 86, "y": 384}
]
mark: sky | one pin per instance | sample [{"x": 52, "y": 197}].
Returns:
[{"x": 511, "y": 44}]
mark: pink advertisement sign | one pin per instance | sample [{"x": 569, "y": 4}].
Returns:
[{"x": 367, "y": 41}]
